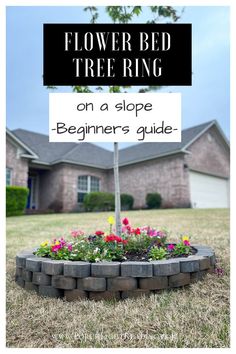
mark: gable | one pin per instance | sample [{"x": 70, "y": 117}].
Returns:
[
  {"x": 20, "y": 149},
  {"x": 209, "y": 153}
]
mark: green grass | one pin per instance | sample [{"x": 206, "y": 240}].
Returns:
[{"x": 193, "y": 317}]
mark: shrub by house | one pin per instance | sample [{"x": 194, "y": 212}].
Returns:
[{"x": 16, "y": 199}]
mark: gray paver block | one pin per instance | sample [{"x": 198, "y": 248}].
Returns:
[
  {"x": 187, "y": 266},
  {"x": 213, "y": 259},
  {"x": 166, "y": 267},
  {"x": 53, "y": 267},
  {"x": 31, "y": 286},
  {"x": 27, "y": 275},
  {"x": 18, "y": 272},
  {"x": 204, "y": 263},
  {"x": 105, "y": 269},
  {"x": 20, "y": 281},
  {"x": 62, "y": 282},
  {"x": 180, "y": 279},
  {"x": 154, "y": 283},
  {"x": 33, "y": 264},
  {"x": 196, "y": 276},
  {"x": 136, "y": 269},
  {"x": 50, "y": 291},
  {"x": 40, "y": 278},
  {"x": 91, "y": 284},
  {"x": 77, "y": 269},
  {"x": 121, "y": 284},
  {"x": 21, "y": 259}
]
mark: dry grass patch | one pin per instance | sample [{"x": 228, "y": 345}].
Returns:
[{"x": 196, "y": 316}]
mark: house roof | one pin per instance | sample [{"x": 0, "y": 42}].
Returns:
[
  {"x": 52, "y": 153},
  {"x": 27, "y": 152},
  {"x": 92, "y": 155}
]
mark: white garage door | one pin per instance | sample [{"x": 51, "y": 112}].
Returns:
[{"x": 208, "y": 192}]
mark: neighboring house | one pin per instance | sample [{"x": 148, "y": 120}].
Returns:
[{"x": 193, "y": 173}]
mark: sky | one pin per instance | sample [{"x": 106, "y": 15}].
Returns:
[{"x": 27, "y": 98}]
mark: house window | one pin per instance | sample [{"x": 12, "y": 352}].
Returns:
[
  {"x": 87, "y": 184},
  {"x": 8, "y": 176}
]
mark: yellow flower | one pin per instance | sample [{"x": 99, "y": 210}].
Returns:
[
  {"x": 111, "y": 220},
  {"x": 44, "y": 244},
  {"x": 185, "y": 238},
  {"x": 57, "y": 243}
]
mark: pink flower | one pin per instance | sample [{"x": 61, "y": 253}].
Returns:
[
  {"x": 62, "y": 242},
  {"x": 126, "y": 229},
  {"x": 125, "y": 221},
  {"x": 69, "y": 246},
  {"x": 161, "y": 234},
  {"x": 170, "y": 247},
  {"x": 77, "y": 233},
  {"x": 56, "y": 248},
  {"x": 153, "y": 233},
  {"x": 186, "y": 243}
]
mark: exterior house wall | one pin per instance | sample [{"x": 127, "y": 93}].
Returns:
[
  {"x": 51, "y": 189},
  {"x": 166, "y": 176},
  {"x": 64, "y": 179},
  {"x": 17, "y": 164},
  {"x": 70, "y": 181},
  {"x": 209, "y": 154}
]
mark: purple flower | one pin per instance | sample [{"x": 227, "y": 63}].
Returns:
[{"x": 219, "y": 271}]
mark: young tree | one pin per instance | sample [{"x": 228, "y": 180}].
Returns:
[{"x": 125, "y": 14}]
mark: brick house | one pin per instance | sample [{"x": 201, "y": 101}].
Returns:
[{"x": 193, "y": 173}]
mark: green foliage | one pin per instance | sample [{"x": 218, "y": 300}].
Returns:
[
  {"x": 153, "y": 200},
  {"x": 127, "y": 201},
  {"x": 138, "y": 243},
  {"x": 16, "y": 199},
  {"x": 90, "y": 249},
  {"x": 103, "y": 201},
  {"x": 157, "y": 253},
  {"x": 181, "y": 250},
  {"x": 99, "y": 201},
  {"x": 94, "y": 13}
]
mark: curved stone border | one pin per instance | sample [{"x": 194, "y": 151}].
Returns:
[{"x": 109, "y": 280}]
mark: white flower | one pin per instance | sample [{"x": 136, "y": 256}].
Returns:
[
  {"x": 97, "y": 259},
  {"x": 96, "y": 250}
]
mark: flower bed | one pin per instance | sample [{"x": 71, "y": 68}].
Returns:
[
  {"x": 107, "y": 278},
  {"x": 135, "y": 244}
]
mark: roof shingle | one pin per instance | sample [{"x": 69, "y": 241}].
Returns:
[{"x": 93, "y": 155}]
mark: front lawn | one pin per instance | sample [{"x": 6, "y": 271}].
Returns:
[{"x": 196, "y": 316}]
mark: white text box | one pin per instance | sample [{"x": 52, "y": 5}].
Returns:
[{"x": 111, "y": 117}]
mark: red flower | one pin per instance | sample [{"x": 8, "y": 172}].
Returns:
[
  {"x": 112, "y": 238},
  {"x": 125, "y": 221},
  {"x": 136, "y": 231},
  {"x": 99, "y": 233}
]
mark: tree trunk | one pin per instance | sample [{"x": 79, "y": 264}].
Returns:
[{"x": 117, "y": 189}]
